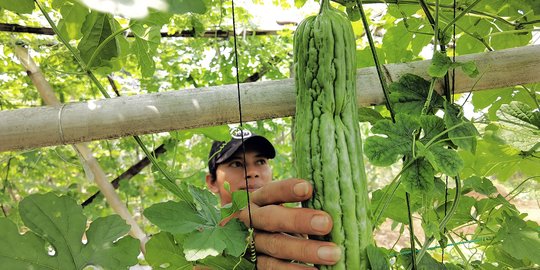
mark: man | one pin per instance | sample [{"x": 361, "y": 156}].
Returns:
[{"x": 274, "y": 223}]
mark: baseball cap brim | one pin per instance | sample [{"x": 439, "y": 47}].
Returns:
[{"x": 260, "y": 143}]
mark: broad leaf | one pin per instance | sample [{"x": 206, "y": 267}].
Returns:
[
  {"x": 461, "y": 131},
  {"x": 162, "y": 250},
  {"x": 70, "y": 25},
  {"x": 383, "y": 151},
  {"x": 426, "y": 263},
  {"x": 369, "y": 115},
  {"x": 410, "y": 93},
  {"x": 518, "y": 113},
  {"x": 519, "y": 126},
  {"x": 377, "y": 258},
  {"x": 147, "y": 40},
  {"x": 439, "y": 65},
  {"x": 197, "y": 228},
  {"x": 519, "y": 240},
  {"x": 59, "y": 222},
  {"x": 230, "y": 239},
  {"x": 444, "y": 160},
  {"x": 481, "y": 185},
  {"x": 418, "y": 178},
  {"x": 175, "y": 217},
  {"x": 239, "y": 202},
  {"x": 432, "y": 129},
  {"x": 18, "y": 6},
  {"x": 98, "y": 27}
]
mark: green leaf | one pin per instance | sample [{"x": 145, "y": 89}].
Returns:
[
  {"x": 70, "y": 25},
  {"x": 203, "y": 244},
  {"x": 239, "y": 202},
  {"x": 216, "y": 133},
  {"x": 479, "y": 184},
  {"x": 175, "y": 217},
  {"x": 383, "y": 151},
  {"x": 162, "y": 250},
  {"x": 377, "y": 258},
  {"x": 369, "y": 115},
  {"x": 519, "y": 240},
  {"x": 470, "y": 69},
  {"x": 397, "y": 40},
  {"x": 461, "y": 131},
  {"x": 147, "y": 39},
  {"x": 234, "y": 234},
  {"x": 18, "y": 6},
  {"x": 439, "y": 65},
  {"x": 409, "y": 94},
  {"x": 96, "y": 28},
  {"x": 418, "y": 178},
  {"x": 185, "y": 6},
  {"x": 206, "y": 203},
  {"x": 517, "y": 127},
  {"x": 426, "y": 263},
  {"x": 432, "y": 126},
  {"x": 444, "y": 160},
  {"x": 518, "y": 113},
  {"x": 227, "y": 263},
  {"x": 59, "y": 221}
]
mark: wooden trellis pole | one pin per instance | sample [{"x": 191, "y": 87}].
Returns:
[{"x": 209, "y": 106}]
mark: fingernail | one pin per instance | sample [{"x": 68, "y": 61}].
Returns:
[
  {"x": 301, "y": 189},
  {"x": 320, "y": 223},
  {"x": 329, "y": 253}
]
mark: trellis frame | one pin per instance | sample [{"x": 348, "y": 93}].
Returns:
[{"x": 191, "y": 108}]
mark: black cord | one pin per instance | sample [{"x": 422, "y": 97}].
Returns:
[{"x": 252, "y": 240}]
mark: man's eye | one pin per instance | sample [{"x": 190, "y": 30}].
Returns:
[
  {"x": 236, "y": 164},
  {"x": 261, "y": 161}
]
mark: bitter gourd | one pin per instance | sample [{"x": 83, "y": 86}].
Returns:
[{"x": 328, "y": 149}]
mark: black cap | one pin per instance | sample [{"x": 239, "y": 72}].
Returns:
[{"x": 221, "y": 151}]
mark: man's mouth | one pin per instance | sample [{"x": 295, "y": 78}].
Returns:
[{"x": 250, "y": 188}]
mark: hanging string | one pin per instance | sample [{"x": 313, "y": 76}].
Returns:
[
  {"x": 452, "y": 89},
  {"x": 251, "y": 239}
]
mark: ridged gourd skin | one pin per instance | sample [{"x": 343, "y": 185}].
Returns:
[{"x": 327, "y": 147}]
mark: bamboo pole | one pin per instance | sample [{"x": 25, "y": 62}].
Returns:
[
  {"x": 210, "y": 106},
  {"x": 106, "y": 188}
]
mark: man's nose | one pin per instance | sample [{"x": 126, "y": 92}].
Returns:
[{"x": 252, "y": 172}]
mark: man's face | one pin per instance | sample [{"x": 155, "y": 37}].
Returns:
[{"x": 258, "y": 171}]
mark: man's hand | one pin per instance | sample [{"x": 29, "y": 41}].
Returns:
[{"x": 272, "y": 222}]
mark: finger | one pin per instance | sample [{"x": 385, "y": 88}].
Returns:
[
  {"x": 284, "y": 246},
  {"x": 269, "y": 263},
  {"x": 277, "y": 218},
  {"x": 290, "y": 190}
]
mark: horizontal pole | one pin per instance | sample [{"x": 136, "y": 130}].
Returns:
[{"x": 191, "y": 108}]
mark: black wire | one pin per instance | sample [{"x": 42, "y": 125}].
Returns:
[{"x": 242, "y": 129}]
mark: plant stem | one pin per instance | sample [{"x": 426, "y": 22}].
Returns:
[
  {"x": 411, "y": 231},
  {"x": 376, "y": 60},
  {"x": 445, "y": 220}
]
